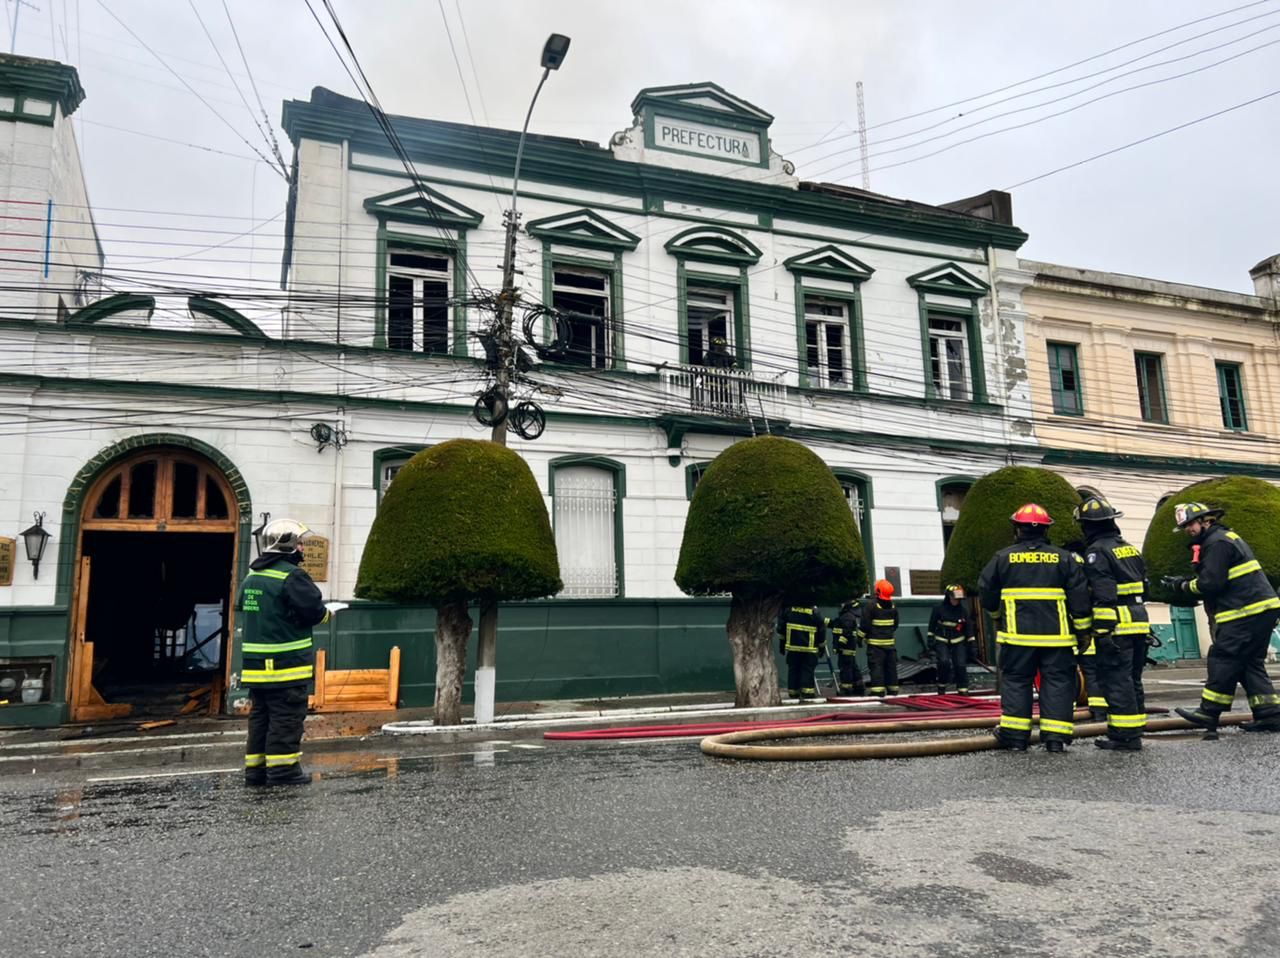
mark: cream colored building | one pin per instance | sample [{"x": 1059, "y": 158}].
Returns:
[{"x": 1140, "y": 386}]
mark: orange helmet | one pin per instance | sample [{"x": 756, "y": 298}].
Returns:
[
  {"x": 884, "y": 590},
  {"x": 1031, "y": 514}
]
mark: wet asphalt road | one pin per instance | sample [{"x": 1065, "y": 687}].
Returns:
[{"x": 654, "y": 849}]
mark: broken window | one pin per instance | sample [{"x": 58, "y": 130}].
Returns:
[
  {"x": 418, "y": 291},
  {"x": 581, "y": 297}
]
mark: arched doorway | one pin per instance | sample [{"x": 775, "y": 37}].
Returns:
[{"x": 153, "y": 588}]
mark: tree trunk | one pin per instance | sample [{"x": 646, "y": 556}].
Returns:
[
  {"x": 453, "y": 631},
  {"x": 751, "y": 631}
]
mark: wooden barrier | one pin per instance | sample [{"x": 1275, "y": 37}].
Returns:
[{"x": 356, "y": 690}]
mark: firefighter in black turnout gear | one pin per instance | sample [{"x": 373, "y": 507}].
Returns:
[
  {"x": 803, "y": 641},
  {"x": 952, "y": 640},
  {"x": 1038, "y": 597},
  {"x": 1243, "y": 608},
  {"x": 846, "y": 635},
  {"x": 278, "y": 605},
  {"x": 880, "y": 629},
  {"x": 1117, "y": 579}
]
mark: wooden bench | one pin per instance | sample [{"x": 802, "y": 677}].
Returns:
[{"x": 356, "y": 690}]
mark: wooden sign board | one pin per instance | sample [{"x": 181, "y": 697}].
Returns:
[
  {"x": 315, "y": 558},
  {"x": 8, "y": 558},
  {"x": 926, "y": 582}
]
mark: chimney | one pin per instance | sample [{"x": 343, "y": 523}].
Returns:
[{"x": 1266, "y": 279}]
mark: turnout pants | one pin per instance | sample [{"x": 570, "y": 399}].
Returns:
[
  {"x": 1018, "y": 667},
  {"x": 1093, "y": 686},
  {"x": 953, "y": 664},
  {"x": 882, "y": 662},
  {"x": 850, "y": 675},
  {"x": 1126, "y": 718},
  {"x": 275, "y": 729},
  {"x": 1237, "y": 656},
  {"x": 800, "y": 675}
]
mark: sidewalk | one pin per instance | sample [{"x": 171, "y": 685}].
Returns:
[{"x": 28, "y": 751}]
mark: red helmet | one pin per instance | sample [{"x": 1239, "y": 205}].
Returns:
[
  {"x": 884, "y": 590},
  {"x": 1032, "y": 514}
]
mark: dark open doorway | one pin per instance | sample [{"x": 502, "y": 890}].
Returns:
[{"x": 157, "y": 615}]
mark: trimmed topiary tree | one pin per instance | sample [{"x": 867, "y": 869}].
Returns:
[
  {"x": 1253, "y": 510},
  {"x": 463, "y": 522},
  {"x": 769, "y": 524},
  {"x": 984, "y": 528}
]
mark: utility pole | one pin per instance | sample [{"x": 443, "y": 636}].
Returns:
[
  {"x": 862, "y": 139},
  {"x": 553, "y": 53}
]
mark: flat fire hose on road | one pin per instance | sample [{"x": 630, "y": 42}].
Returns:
[{"x": 735, "y": 744}]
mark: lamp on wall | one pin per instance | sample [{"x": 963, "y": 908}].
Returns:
[
  {"x": 257, "y": 533},
  {"x": 35, "y": 539}
]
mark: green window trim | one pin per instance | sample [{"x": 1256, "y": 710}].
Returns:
[
  {"x": 857, "y": 343},
  {"x": 619, "y": 471},
  {"x": 973, "y": 340},
  {"x": 737, "y": 286},
  {"x": 1231, "y": 380},
  {"x": 1145, "y": 366},
  {"x": 387, "y": 454},
  {"x": 455, "y": 249},
  {"x": 958, "y": 480},
  {"x": 611, "y": 268},
  {"x": 692, "y": 473},
  {"x": 1066, "y": 402},
  {"x": 867, "y": 493}
]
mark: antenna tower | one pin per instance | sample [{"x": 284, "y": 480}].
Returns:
[{"x": 862, "y": 139}]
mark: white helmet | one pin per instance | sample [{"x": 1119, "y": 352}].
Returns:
[{"x": 283, "y": 535}]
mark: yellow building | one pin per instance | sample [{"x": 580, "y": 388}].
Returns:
[{"x": 1140, "y": 386}]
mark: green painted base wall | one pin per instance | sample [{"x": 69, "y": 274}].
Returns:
[{"x": 556, "y": 649}]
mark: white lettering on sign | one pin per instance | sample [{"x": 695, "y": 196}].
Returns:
[{"x": 719, "y": 142}]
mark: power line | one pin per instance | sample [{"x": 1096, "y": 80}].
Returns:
[{"x": 271, "y": 134}]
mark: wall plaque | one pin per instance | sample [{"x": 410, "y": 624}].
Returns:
[
  {"x": 926, "y": 582},
  {"x": 894, "y": 574},
  {"x": 8, "y": 557},
  {"x": 315, "y": 557}
]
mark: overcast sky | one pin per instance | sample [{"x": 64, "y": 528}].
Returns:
[{"x": 1201, "y": 205}]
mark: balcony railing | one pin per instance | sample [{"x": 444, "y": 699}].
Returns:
[{"x": 725, "y": 393}]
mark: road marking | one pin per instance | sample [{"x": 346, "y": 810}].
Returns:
[{"x": 134, "y": 778}]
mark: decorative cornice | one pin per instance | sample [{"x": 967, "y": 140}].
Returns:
[
  {"x": 829, "y": 261},
  {"x": 47, "y": 79},
  {"x": 949, "y": 279},
  {"x": 713, "y": 244},
  {"x": 422, "y": 204},
  {"x": 583, "y": 228}
]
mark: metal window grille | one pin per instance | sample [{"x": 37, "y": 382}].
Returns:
[{"x": 585, "y": 509}]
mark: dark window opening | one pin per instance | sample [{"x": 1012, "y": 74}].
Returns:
[
  {"x": 1150, "y": 370},
  {"x": 215, "y": 503},
  {"x": 1064, "y": 380},
  {"x": 418, "y": 301},
  {"x": 582, "y": 300},
  {"x": 109, "y": 504},
  {"x": 186, "y": 485},
  {"x": 142, "y": 490},
  {"x": 710, "y": 315},
  {"x": 1231, "y": 396}
]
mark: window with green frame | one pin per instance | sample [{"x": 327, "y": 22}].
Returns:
[
  {"x": 1151, "y": 395},
  {"x": 1231, "y": 396},
  {"x": 1064, "y": 379}
]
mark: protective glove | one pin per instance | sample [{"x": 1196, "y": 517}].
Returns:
[
  {"x": 1176, "y": 583},
  {"x": 1105, "y": 641},
  {"x": 1083, "y": 641}
]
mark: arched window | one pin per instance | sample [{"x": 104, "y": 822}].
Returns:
[
  {"x": 951, "y": 496},
  {"x": 161, "y": 489},
  {"x": 586, "y": 495}
]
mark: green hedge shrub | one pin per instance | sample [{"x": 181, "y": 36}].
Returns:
[
  {"x": 769, "y": 517},
  {"x": 1253, "y": 510},
  {"x": 984, "y": 528},
  {"x": 463, "y": 522}
]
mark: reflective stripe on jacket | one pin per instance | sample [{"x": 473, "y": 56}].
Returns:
[
  {"x": 880, "y": 622},
  {"x": 1117, "y": 580},
  {"x": 278, "y": 605},
  {"x": 802, "y": 629},
  {"x": 950, "y": 624},
  {"x": 1228, "y": 576},
  {"x": 1037, "y": 593}
]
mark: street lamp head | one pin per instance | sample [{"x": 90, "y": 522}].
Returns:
[
  {"x": 554, "y": 50},
  {"x": 35, "y": 539}
]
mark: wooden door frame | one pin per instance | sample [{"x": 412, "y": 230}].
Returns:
[{"x": 83, "y": 701}]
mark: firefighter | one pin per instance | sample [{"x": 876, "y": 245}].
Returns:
[
  {"x": 279, "y": 604},
  {"x": 1117, "y": 579},
  {"x": 847, "y": 638},
  {"x": 1038, "y": 597},
  {"x": 952, "y": 640},
  {"x": 1243, "y": 608},
  {"x": 803, "y": 641},
  {"x": 880, "y": 628},
  {"x": 1087, "y": 660}
]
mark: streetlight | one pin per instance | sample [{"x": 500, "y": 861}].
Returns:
[
  {"x": 553, "y": 54},
  {"x": 35, "y": 539}
]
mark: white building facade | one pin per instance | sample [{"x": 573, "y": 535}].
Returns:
[{"x": 685, "y": 289}]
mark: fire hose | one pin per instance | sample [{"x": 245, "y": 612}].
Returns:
[{"x": 735, "y": 744}]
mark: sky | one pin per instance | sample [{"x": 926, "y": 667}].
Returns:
[{"x": 173, "y": 154}]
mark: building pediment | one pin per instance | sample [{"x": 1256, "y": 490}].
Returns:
[
  {"x": 706, "y": 98},
  {"x": 583, "y": 228},
  {"x": 950, "y": 279},
  {"x": 422, "y": 204},
  {"x": 829, "y": 261},
  {"x": 713, "y": 244}
]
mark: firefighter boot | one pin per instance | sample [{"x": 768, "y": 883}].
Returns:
[
  {"x": 1119, "y": 744},
  {"x": 1197, "y": 716},
  {"x": 288, "y": 775},
  {"x": 255, "y": 776},
  {"x": 1008, "y": 742},
  {"x": 1055, "y": 745},
  {"x": 1271, "y": 724}
]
